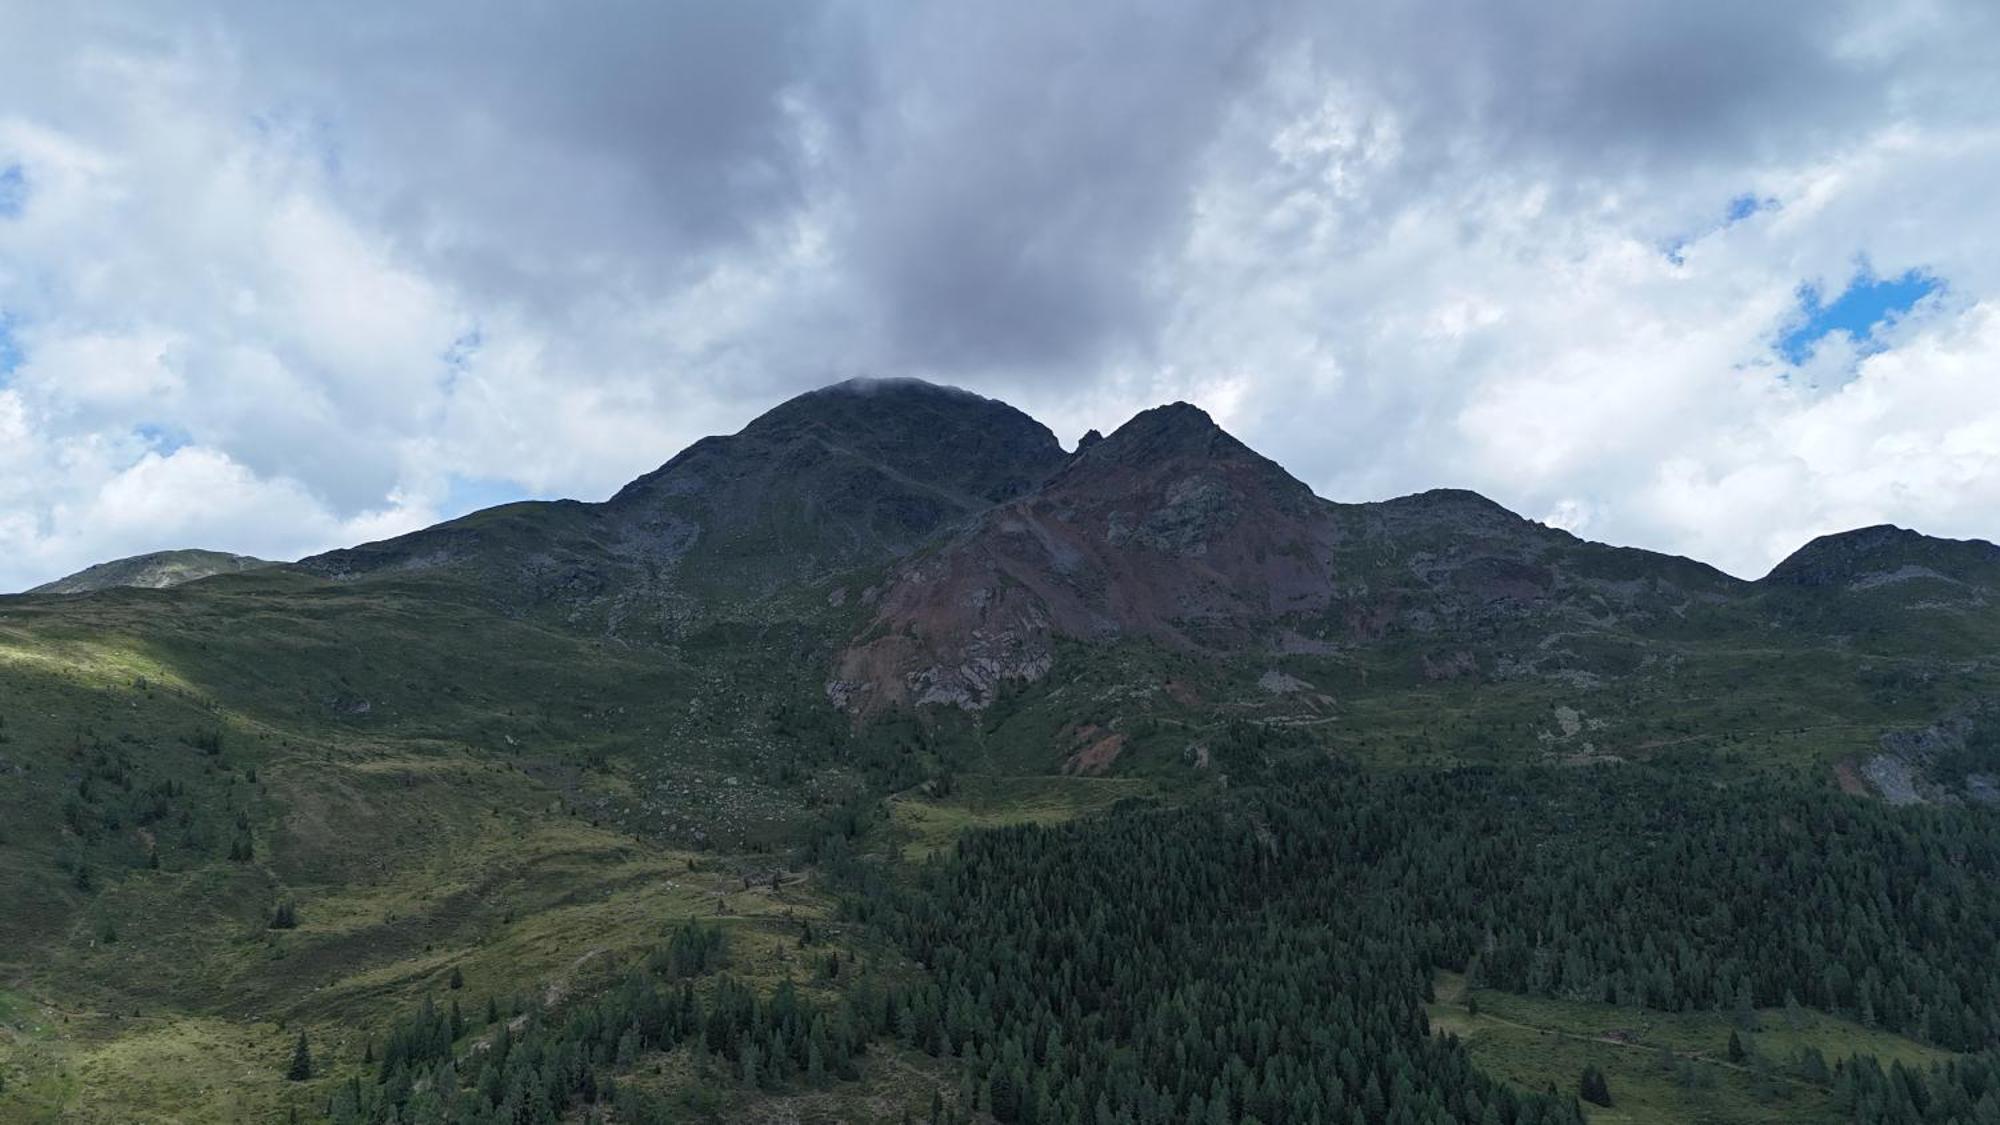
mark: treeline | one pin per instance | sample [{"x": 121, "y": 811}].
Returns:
[
  {"x": 1266, "y": 958},
  {"x": 535, "y": 1067},
  {"x": 1961, "y": 1092},
  {"x": 1638, "y": 887}
]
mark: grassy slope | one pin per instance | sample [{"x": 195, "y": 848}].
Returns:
[
  {"x": 1535, "y": 1043},
  {"x": 923, "y": 825},
  {"x": 433, "y": 785},
  {"x": 437, "y": 785}
]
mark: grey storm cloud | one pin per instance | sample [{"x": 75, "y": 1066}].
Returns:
[
  {"x": 547, "y": 143},
  {"x": 1016, "y": 174},
  {"x": 338, "y": 266},
  {"x": 1001, "y": 182}
]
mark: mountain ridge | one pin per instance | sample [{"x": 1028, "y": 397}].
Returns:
[
  {"x": 978, "y": 545},
  {"x": 529, "y": 743},
  {"x": 152, "y": 570}
]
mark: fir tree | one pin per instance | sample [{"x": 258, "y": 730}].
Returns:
[
  {"x": 1593, "y": 1088},
  {"x": 302, "y": 1060}
]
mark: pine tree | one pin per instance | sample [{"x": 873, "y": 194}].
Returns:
[
  {"x": 302, "y": 1060},
  {"x": 1593, "y": 1088}
]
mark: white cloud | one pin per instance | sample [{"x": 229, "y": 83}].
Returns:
[{"x": 312, "y": 269}]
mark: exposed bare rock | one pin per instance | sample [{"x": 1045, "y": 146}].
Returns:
[{"x": 1172, "y": 531}]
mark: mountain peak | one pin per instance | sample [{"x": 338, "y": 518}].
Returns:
[
  {"x": 1882, "y": 553},
  {"x": 880, "y": 393},
  {"x": 855, "y": 473},
  {"x": 1181, "y": 423},
  {"x": 155, "y": 570},
  {"x": 1169, "y": 441},
  {"x": 942, "y": 437},
  {"x": 1165, "y": 435}
]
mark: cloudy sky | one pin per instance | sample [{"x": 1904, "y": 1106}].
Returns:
[{"x": 1702, "y": 277}]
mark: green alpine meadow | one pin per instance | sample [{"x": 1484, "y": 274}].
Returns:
[{"x": 886, "y": 761}]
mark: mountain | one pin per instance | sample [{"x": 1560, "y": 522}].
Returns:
[
  {"x": 155, "y": 571},
  {"x": 1873, "y": 558},
  {"x": 850, "y": 475},
  {"x": 1173, "y": 531},
  {"x": 725, "y": 750}
]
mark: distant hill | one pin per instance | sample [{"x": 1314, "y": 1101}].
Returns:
[
  {"x": 1872, "y": 557},
  {"x": 154, "y": 571}
]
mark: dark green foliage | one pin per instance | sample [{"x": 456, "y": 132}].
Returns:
[
  {"x": 1270, "y": 952},
  {"x": 1186, "y": 966},
  {"x": 285, "y": 917},
  {"x": 692, "y": 950},
  {"x": 1964, "y": 1090},
  {"x": 457, "y": 980},
  {"x": 1632, "y": 886},
  {"x": 1593, "y": 1088},
  {"x": 301, "y": 1067},
  {"x": 532, "y": 1070}
]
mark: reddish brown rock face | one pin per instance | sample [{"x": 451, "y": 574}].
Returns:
[
  {"x": 1168, "y": 529},
  {"x": 1172, "y": 531}
]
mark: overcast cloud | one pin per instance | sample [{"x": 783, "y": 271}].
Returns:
[{"x": 276, "y": 278}]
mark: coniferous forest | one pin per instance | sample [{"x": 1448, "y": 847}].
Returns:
[{"x": 1266, "y": 957}]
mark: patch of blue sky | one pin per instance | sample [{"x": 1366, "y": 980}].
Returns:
[
  {"x": 460, "y": 354},
  {"x": 1738, "y": 209},
  {"x": 1866, "y": 304},
  {"x": 13, "y": 190},
  {"x": 164, "y": 440},
  {"x": 1744, "y": 206},
  {"x": 10, "y": 348}
]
